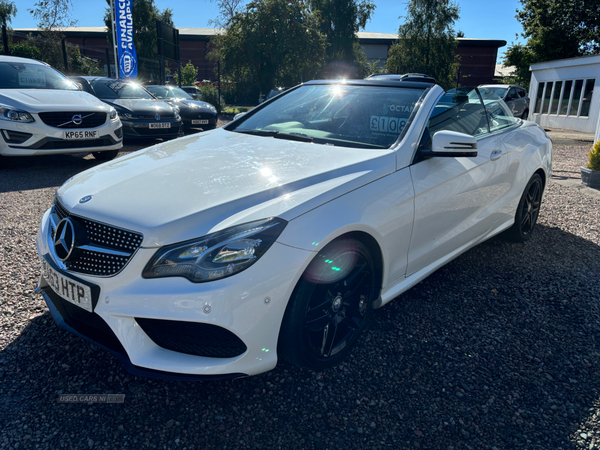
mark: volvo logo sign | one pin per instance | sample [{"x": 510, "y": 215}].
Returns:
[
  {"x": 64, "y": 239},
  {"x": 85, "y": 199},
  {"x": 157, "y": 116},
  {"x": 77, "y": 119}
]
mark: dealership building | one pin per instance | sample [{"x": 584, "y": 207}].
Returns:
[
  {"x": 565, "y": 94},
  {"x": 477, "y": 56}
]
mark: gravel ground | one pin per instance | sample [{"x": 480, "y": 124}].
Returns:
[{"x": 500, "y": 349}]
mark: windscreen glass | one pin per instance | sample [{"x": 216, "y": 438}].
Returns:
[
  {"x": 33, "y": 76},
  {"x": 168, "y": 92},
  {"x": 115, "y": 89},
  {"x": 336, "y": 114}
]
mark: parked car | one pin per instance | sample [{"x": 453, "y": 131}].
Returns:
[
  {"x": 194, "y": 91},
  {"x": 142, "y": 114},
  {"x": 277, "y": 235},
  {"x": 194, "y": 113},
  {"x": 514, "y": 96},
  {"x": 42, "y": 112}
]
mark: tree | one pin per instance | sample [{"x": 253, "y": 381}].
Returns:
[
  {"x": 145, "y": 15},
  {"x": 189, "y": 73},
  {"x": 555, "y": 29},
  {"x": 273, "y": 42},
  {"x": 8, "y": 10},
  {"x": 341, "y": 19},
  {"x": 427, "y": 41},
  {"x": 227, "y": 10},
  {"x": 53, "y": 15}
]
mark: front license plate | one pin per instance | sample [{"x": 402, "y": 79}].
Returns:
[
  {"x": 199, "y": 122},
  {"x": 161, "y": 125},
  {"x": 77, "y": 293},
  {"x": 81, "y": 135}
]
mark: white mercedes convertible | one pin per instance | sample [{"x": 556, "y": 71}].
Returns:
[{"x": 216, "y": 254}]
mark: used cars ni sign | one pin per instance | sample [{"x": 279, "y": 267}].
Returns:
[{"x": 276, "y": 236}]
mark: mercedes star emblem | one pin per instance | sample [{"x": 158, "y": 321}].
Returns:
[
  {"x": 64, "y": 239},
  {"x": 77, "y": 119},
  {"x": 157, "y": 116},
  {"x": 85, "y": 199}
]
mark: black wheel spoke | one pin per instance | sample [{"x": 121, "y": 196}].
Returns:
[{"x": 525, "y": 220}]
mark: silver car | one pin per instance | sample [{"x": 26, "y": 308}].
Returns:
[{"x": 514, "y": 96}]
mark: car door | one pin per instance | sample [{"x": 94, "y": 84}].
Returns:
[{"x": 455, "y": 196}]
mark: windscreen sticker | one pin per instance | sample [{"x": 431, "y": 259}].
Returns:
[
  {"x": 383, "y": 124},
  {"x": 32, "y": 78}
]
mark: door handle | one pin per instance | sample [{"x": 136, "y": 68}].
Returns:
[{"x": 496, "y": 154}]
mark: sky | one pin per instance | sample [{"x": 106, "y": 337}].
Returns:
[{"x": 478, "y": 19}]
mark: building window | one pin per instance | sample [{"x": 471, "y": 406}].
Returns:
[
  {"x": 564, "y": 103},
  {"x": 574, "y": 109},
  {"x": 547, "y": 95},
  {"x": 586, "y": 101},
  {"x": 556, "y": 97},
  {"x": 538, "y": 98},
  {"x": 571, "y": 98}
]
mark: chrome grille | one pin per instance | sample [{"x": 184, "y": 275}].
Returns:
[{"x": 104, "y": 250}]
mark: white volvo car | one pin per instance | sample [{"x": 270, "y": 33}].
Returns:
[
  {"x": 42, "y": 112},
  {"x": 276, "y": 236}
]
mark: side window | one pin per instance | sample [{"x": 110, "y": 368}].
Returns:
[
  {"x": 500, "y": 116},
  {"x": 459, "y": 110},
  {"x": 512, "y": 94},
  {"x": 522, "y": 93}
]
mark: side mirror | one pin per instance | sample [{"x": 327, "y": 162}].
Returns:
[
  {"x": 451, "y": 144},
  {"x": 238, "y": 115},
  {"x": 195, "y": 96}
]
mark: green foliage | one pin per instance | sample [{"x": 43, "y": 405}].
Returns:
[
  {"x": 189, "y": 73},
  {"x": 341, "y": 20},
  {"x": 53, "y": 15},
  {"x": 8, "y": 10},
  {"x": 364, "y": 68},
  {"x": 594, "y": 155},
  {"x": 80, "y": 65},
  {"x": 427, "y": 41},
  {"x": 145, "y": 15},
  {"x": 520, "y": 56},
  {"x": 555, "y": 29},
  {"x": 272, "y": 43},
  {"x": 210, "y": 94},
  {"x": 24, "y": 50}
]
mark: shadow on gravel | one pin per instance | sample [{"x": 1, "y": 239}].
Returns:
[{"x": 498, "y": 349}]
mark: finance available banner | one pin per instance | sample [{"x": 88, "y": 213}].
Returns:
[{"x": 125, "y": 45}]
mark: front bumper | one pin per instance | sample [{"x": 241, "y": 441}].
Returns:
[
  {"x": 42, "y": 139},
  {"x": 250, "y": 305}
]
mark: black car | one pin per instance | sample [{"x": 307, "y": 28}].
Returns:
[
  {"x": 142, "y": 114},
  {"x": 194, "y": 113},
  {"x": 194, "y": 91}
]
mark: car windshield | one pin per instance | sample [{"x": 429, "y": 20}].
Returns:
[
  {"x": 336, "y": 114},
  {"x": 20, "y": 76},
  {"x": 168, "y": 92},
  {"x": 499, "y": 91},
  {"x": 116, "y": 89}
]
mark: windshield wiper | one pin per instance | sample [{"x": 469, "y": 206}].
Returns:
[{"x": 278, "y": 135}]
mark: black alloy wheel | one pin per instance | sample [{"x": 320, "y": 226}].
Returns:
[
  {"x": 527, "y": 211},
  {"x": 330, "y": 307}
]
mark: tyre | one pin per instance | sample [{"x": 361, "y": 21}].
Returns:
[
  {"x": 106, "y": 155},
  {"x": 330, "y": 306},
  {"x": 527, "y": 211}
]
